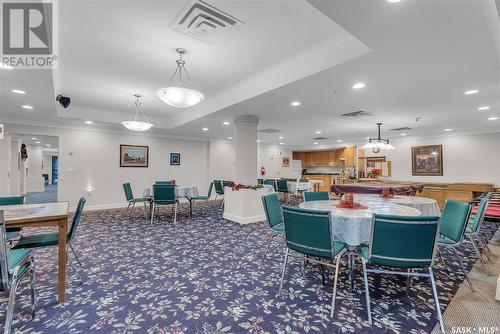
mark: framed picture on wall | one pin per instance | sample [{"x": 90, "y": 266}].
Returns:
[
  {"x": 286, "y": 162},
  {"x": 427, "y": 160},
  {"x": 175, "y": 159},
  {"x": 134, "y": 156}
]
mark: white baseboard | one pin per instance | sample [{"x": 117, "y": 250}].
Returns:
[{"x": 244, "y": 220}]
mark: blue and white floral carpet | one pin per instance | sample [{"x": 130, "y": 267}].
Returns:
[{"x": 209, "y": 275}]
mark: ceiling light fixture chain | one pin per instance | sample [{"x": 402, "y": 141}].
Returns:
[{"x": 379, "y": 142}]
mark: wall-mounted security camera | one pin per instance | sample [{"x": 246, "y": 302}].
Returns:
[{"x": 63, "y": 100}]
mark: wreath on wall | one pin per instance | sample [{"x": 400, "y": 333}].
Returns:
[{"x": 24, "y": 152}]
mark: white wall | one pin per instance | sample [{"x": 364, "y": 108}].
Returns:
[
  {"x": 270, "y": 157},
  {"x": 5, "y": 161},
  {"x": 90, "y": 160},
  {"x": 466, "y": 158},
  {"x": 33, "y": 168},
  {"x": 221, "y": 160}
]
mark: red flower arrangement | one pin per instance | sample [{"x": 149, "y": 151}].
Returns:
[
  {"x": 376, "y": 171},
  {"x": 348, "y": 203},
  {"x": 386, "y": 194},
  {"x": 238, "y": 186}
]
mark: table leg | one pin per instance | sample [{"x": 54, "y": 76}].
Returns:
[
  {"x": 61, "y": 275},
  {"x": 190, "y": 206}
]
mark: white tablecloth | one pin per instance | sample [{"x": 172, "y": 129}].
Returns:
[
  {"x": 427, "y": 206},
  {"x": 180, "y": 191},
  {"x": 354, "y": 226},
  {"x": 295, "y": 187}
]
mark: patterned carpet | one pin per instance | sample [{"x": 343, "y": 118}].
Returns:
[{"x": 208, "y": 275}]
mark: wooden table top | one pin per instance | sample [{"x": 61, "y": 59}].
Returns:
[{"x": 35, "y": 212}]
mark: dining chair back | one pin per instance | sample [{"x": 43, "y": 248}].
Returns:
[
  {"x": 227, "y": 183},
  {"x": 454, "y": 220},
  {"x": 282, "y": 185},
  {"x": 164, "y": 194},
  {"x": 129, "y": 195},
  {"x": 403, "y": 241},
  {"x": 316, "y": 196},
  {"x": 210, "y": 188},
  {"x": 260, "y": 181},
  {"x": 478, "y": 219},
  {"x": 272, "y": 209},
  {"x": 12, "y": 200},
  {"x": 219, "y": 189},
  {"x": 76, "y": 219},
  {"x": 171, "y": 182}
]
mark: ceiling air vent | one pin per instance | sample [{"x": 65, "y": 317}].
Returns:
[
  {"x": 359, "y": 113},
  {"x": 205, "y": 22},
  {"x": 404, "y": 128},
  {"x": 320, "y": 138},
  {"x": 269, "y": 130}
]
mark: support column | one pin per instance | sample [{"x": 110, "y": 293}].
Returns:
[{"x": 245, "y": 149}]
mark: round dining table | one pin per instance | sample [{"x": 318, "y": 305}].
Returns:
[
  {"x": 353, "y": 226},
  {"x": 427, "y": 206},
  {"x": 180, "y": 191},
  {"x": 295, "y": 187}
]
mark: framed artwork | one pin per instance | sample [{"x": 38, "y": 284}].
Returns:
[
  {"x": 427, "y": 160},
  {"x": 286, "y": 161},
  {"x": 134, "y": 156},
  {"x": 175, "y": 159}
]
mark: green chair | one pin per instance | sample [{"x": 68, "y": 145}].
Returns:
[
  {"x": 201, "y": 197},
  {"x": 282, "y": 187},
  {"x": 219, "y": 190},
  {"x": 270, "y": 182},
  {"x": 12, "y": 232},
  {"x": 260, "y": 181},
  {"x": 171, "y": 182},
  {"x": 129, "y": 195},
  {"x": 453, "y": 223},
  {"x": 45, "y": 178},
  {"x": 403, "y": 243},
  {"x": 474, "y": 227},
  {"x": 15, "y": 265},
  {"x": 274, "y": 216},
  {"x": 309, "y": 234},
  {"x": 316, "y": 196},
  {"x": 163, "y": 195},
  {"x": 52, "y": 239}
]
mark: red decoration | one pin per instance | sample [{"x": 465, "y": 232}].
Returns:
[
  {"x": 386, "y": 193},
  {"x": 348, "y": 203}
]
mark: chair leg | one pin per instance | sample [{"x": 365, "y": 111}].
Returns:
[
  {"x": 153, "y": 207},
  {"x": 463, "y": 269},
  {"x": 367, "y": 293},
  {"x": 10, "y": 307},
  {"x": 132, "y": 209},
  {"x": 436, "y": 300},
  {"x": 146, "y": 210},
  {"x": 222, "y": 203},
  {"x": 409, "y": 279},
  {"x": 175, "y": 212},
  {"x": 283, "y": 272},
  {"x": 442, "y": 260},
  {"x": 128, "y": 207},
  {"x": 334, "y": 294},
  {"x": 33, "y": 287},
  {"x": 74, "y": 253},
  {"x": 72, "y": 264},
  {"x": 269, "y": 241},
  {"x": 476, "y": 248},
  {"x": 484, "y": 245}
]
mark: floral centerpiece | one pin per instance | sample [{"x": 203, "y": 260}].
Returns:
[
  {"x": 348, "y": 203},
  {"x": 375, "y": 172},
  {"x": 386, "y": 194},
  {"x": 238, "y": 186}
]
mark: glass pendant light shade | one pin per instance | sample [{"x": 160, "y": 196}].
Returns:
[
  {"x": 135, "y": 123},
  {"x": 180, "y": 97},
  {"x": 369, "y": 145},
  {"x": 179, "y": 94},
  {"x": 378, "y": 142}
]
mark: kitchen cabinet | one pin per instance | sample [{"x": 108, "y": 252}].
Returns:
[
  {"x": 333, "y": 158},
  {"x": 327, "y": 181}
]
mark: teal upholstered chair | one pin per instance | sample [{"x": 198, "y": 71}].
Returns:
[
  {"x": 204, "y": 198},
  {"x": 260, "y": 181},
  {"x": 274, "y": 216},
  {"x": 474, "y": 227},
  {"x": 52, "y": 239},
  {"x": 45, "y": 178},
  {"x": 164, "y": 195},
  {"x": 316, "y": 196},
  {"x": 227, "y": 183},
  {"x": 129, "y": 195},
  {"x": 483, "y": 241},
  {"x": 171, "y": 182},
  {"x": 15, "y": 265},
  {"x": 219, "y": 190},
  {"x": 12, "y": 232},
  {"x": 309, "y": 234},
  {"x": 399, "y": 245},
  {"x": 453, "y": 223},
  {"x": 282, "y": 187},
  {"x": 270, "y": 182}
]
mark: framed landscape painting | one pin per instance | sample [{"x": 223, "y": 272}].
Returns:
[
  {"x": 427, "y": 160},
  {"x": 134, "y": 156},
  {"x": 175, "y": 159}
]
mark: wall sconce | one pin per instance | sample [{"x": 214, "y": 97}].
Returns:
[{"x": 89, "y": 190}]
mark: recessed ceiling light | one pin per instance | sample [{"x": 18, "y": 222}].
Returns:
[
  {"x": 393, "y": 1},
  {"x": 404, "y": 134},
  {"x": 367, "y": 137},
  {"x": 471, "y": 91},
  {"x": 339, "y": 140},
  {"x": 315, "y": 143},
  {"x": 448, "y": 130},
  {"x": 18, "y": 91},
  {"x": 494, "y": 118},
  {"x": 280, "y": 137},
  {"x": 281, "y": 143},
  {"x": 205, "y": 129},
  {"x": 295, "y": 103},
  {"x": 48, "y": 145},
  {"x": 318, "y": 132},
  {"x": 34, "y": 138},
  {"x": 27, "y": 107},
  {"x": 89, "y": 122},
  {"x": 229, "y": 137},
  {"x": 483, "y": 108},
  {"x": 359, "y": 85},
  {"x": 258, "y": 140},
  {"x": 38, "y": 142},
  {"x": 5, "y": 66},
  {"x": 226, "y": 123}
]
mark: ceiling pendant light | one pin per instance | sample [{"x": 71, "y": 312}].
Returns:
[
  {"x": 379, "y": 143},
  {"x": 178, "y": 94},
  {"x": 135, "y": 123}
]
